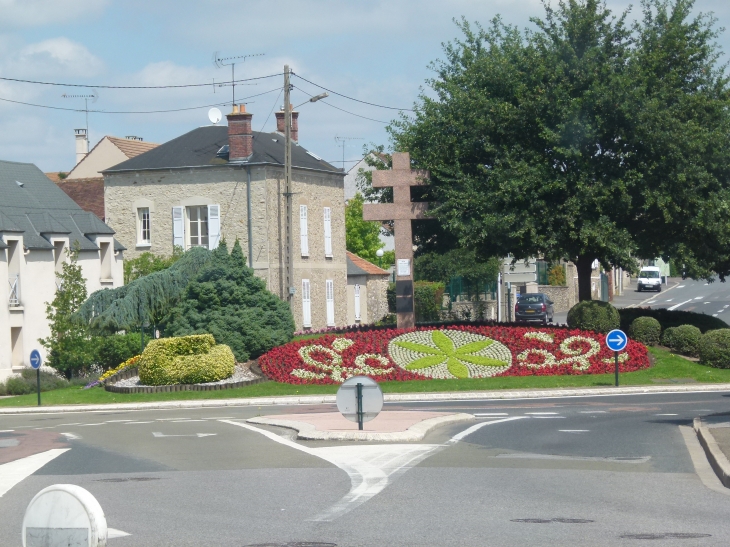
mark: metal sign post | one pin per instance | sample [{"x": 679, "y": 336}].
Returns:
[
  {"x": 359, "y": 406},
  {"x": 616, "y": 341},
  {"x": 360, "y": 399},
  {"x": 35, "y": 362}
]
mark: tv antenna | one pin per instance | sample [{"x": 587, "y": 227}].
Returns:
[
  {"x": 93, "y": 96},
  {"x": 343, "y": 141},
  {"x": 220, "y": 62}
]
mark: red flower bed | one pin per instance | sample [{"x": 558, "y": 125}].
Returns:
[{"x": 457, "y": 351}]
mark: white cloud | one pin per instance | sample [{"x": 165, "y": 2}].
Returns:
[
  {"x": 32, "y": 13},
  {"x": 57, "y": 57}
]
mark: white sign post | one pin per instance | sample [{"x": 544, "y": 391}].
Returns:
[{"x": 64, "y": 515}]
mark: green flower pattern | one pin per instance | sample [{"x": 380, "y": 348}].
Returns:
[{"x": 452, "y": 354}]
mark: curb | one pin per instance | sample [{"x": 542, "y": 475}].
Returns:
[
  {"x": 414, "y": 433},
  {"x": 718, "y": 460},
  {"x": 288, "y": 400}
]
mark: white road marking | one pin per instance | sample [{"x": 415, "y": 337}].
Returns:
[
  {"x": 541, "y": 413},
  {"x": 705, "y": 302},
  {"x": 714, "y": 315},
  {"x": 726, "y": 306},
  {"x": 116, "y": 421},
  {"x": 14, "y": 472},
  {"x": 681, "y": 286},
  {"x": 651, "y": 302},
  {"x": 528, "y": 456},
  {"x": 185, "y": 421},
  {"x": 680, "y": 304},
  {"x": 113, "y": 533},
  {"x": 670, "y": 299},
  {"x": 64, "y": 425},
  {"x": 549, "y": 417},
  {"x": 130, "y": 423},
  {"x": 489, "y": 414},
  {"x": 706, "y": 284},
  {"x": 158, "y": 435},
  {"x": 720, "y": 311},
  {"x": 699, "y": 297},
  {"x": 221, "y": 418},
  {"x": 370, "y": 467},
  {"x": 574, "y": 430},
  {"x": 666, "y": 414},
  {"x": 7, "y": 430},
  {"x": 84, "y": 425},
  {"x": 71, "y": 436},
  {"x": 594, "y": 412}
]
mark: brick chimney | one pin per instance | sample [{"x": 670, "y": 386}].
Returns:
[
  {"x": 294, "y": 124},
  {"x": 240, "y": 136},
  {"x": 82, "y": 144}
]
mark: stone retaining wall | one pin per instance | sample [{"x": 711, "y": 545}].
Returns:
[{"x": 563, "y": 297}]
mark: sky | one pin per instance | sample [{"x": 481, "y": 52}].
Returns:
[{"x": 376, "y": 51}]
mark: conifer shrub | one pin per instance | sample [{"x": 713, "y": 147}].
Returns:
[
  {"x": 185, "y": 360},
  {"x": 684, "y": 339},
  {"x": 714, "y": 348},
  {"x": 228, "y": 301},
  {"x": 646, "y": 330},
  {"x": 593, "y": 315}
]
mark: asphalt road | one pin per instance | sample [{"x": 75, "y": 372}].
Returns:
[{"x": 552, "y": 472}]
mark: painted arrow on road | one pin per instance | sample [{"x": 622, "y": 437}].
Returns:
[{"x": 158, "y": 434}]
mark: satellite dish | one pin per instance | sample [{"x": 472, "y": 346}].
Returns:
[{"x": 214, "y": 115}]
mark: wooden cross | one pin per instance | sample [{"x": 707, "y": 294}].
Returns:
[{"x": 402, "y": 211}]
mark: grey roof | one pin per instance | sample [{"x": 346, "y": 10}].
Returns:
[
  {"x": 200, "y": 147},
  {"x": 32, "y": 204}
]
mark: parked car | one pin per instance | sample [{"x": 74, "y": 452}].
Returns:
[
  {"x": 534, "y": 307},
  {"x": 650, "y": 278}
]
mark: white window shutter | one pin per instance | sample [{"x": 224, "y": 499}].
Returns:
[
  {"x": 303, "y": 229},
  {"x": 327, "y": 232},
  {"x": 306, "y": 304},
  {"x": 357, "y": 302},
  {"x": 330, "y": 298},
  {"x": 178, "y": 227},
  {"x": 214, "y": 226}
]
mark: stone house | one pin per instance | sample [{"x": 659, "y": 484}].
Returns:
[
  {"x": 228, "y": 182},
  {"x": 39, "y": 223},
  {"x": 367, "y": 287}
]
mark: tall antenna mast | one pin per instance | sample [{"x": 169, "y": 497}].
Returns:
[
  {"x": 220, "y": 62},
  {"x": 344, "y": 140},
  {"x": 93, "y": 97}
]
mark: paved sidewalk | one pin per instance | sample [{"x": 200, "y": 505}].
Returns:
[
  {"x": 721, "y": 433},
  {"x": 389, "y": 398}
]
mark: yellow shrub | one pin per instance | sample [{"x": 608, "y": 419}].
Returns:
[
  {"x": 185, "y": 360},
  {"x": 132, "y": 361}
]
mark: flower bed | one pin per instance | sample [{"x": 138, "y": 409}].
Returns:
[{"x": 447, "y": 352}]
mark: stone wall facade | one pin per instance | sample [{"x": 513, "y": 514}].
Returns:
[
  {"x": 377, "y": 297},
  {"x": 226, "y": 185},
  {"x": 563, "y": 297}
]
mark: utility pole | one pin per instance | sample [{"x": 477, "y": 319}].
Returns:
[{"x": 289, "y": 269}]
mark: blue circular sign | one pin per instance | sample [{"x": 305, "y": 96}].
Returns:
[
  {"x": 35, "y": 359},
  {"x": 616, "y": 340}
]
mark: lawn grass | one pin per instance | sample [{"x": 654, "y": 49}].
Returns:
[{"x": 668, "y": 368}]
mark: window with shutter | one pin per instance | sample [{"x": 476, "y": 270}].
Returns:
[
  {"x": 214, "y": 226},
  {"x": 306, "y": 304},
  {"x": 330, "y": 298},
  {"x": 303, "y": 229},
  {"x": 357, "y": 302},
  {"x": 178, "y": 227},
  {"x": 328, "y": 232}
]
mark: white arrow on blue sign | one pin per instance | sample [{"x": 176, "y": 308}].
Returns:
[
  {"x": 35, "y": 359},
  {"x": 616, "y": 340}
]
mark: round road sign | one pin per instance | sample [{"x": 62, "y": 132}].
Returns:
[
  {"x": 35, "y": 359},
  {"x": 64, "y": 514},
  {"x": 616, "y": 340},
  {"x": 372, "y": 398}
]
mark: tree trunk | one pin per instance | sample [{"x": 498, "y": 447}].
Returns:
[{"x": 583, "y": 265}]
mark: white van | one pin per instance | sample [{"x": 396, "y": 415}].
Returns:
[{"x": 650, "y": 278}]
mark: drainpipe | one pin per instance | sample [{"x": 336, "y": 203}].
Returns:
[{"x": 248, "y": 216}]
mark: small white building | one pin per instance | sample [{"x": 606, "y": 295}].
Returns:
[{"x": 39, "y": 223}]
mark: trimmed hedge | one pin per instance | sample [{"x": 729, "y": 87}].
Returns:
[
  {"x": 646, "y": 330},
  {"x": 185, "y": 360},
  {"x": 671, "y": 318},
  {"x": 684, "y": 339},
  {"x": 714, "y": 348},
  {"x": 593, "y": 315}
]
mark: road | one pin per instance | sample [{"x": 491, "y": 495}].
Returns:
[{"x": 550, "y": 472}]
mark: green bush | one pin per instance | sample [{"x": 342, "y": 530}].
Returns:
[
  {"x": 593, "y": 315},
  {"x": 685, "y": 339},
  {"x": 646, "y": 330},
  {"x": 18, "y": 386},
  {"x": 111, "y": 351},
  {"x": 427, "y": 299},
  {"x": 672, "y": 318},
  {"x": 668, "y": 339},
  {"x": 185, "y": 360},
  {"x": 714, "y": 348},
  {"x": 228, "y": 301},
  {"x": 26, "y": 382}
]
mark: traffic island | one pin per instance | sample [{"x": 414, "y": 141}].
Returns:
[
  {"x": 715, "y": 440},
  {"x": 388, "y": 426}
]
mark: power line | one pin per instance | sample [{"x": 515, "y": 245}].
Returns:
[
  {"x": 352, "y": 98},
  {"x": 137, "y": 86},
  {"x": 342, "y": 109},
  {"x": 134, "y": 111}
]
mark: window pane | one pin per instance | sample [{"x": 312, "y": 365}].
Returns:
[{"x": 193, "y": 213}]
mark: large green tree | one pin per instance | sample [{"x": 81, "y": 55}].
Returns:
[
  {"x": 586, "y": 138},
  {"x": 362, "y": 237}
]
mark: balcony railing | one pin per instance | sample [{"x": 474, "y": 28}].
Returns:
[{"x": 14, "y": 298}]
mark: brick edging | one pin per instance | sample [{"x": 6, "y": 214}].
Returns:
[{"x": 718, "y": 460}]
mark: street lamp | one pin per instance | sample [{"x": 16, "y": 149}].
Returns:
[
  {"x": 287, "y": 178},
  {"x": 379, "y": 253}
]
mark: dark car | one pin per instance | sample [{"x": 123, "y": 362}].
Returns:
[{"x": 534, "y": 307}]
